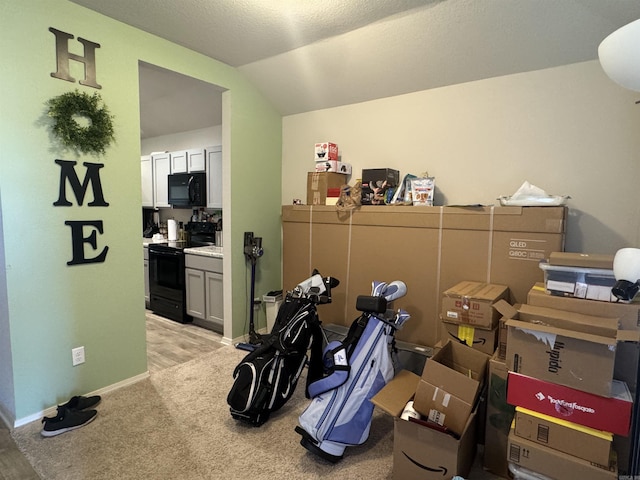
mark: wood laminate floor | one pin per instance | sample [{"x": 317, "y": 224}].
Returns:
[{"x": 169, "y": 343}]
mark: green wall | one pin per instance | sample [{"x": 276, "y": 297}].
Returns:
[{"x": 52, "y": 307}]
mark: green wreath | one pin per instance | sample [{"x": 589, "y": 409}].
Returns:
[{"x": 95, "y": 137}]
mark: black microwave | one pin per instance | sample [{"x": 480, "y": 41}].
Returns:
[{"x": 188, "y": 190}]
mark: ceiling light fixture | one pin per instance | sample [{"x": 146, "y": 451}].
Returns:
[{"x": 619, "y": 56}]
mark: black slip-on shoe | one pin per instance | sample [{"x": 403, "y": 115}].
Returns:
[
  {"x": 66, "y": 420},
  {"x": 82, "y": 403}
]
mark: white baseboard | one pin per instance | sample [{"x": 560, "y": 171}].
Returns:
[{"x": 53, "y": 410}]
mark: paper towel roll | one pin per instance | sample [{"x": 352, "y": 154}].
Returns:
[{"x": 172, "y": 230}]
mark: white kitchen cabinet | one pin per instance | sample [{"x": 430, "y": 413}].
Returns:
[
  {"x": 146, "y": 173},
  {"x": 213, "y": 296},
  {"x": 203, "y": 278},
  {"x": 196, "y": 302},
  {"x": 147, "y": 295},
  {"x": 214, "y": 177},
  {"x": 179, "y": 161},
  {"x": 161, "y": 170},
  {"x": 196, "y": 160}
]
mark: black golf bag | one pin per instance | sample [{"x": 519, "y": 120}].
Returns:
[{"x": 267, "y": 377}]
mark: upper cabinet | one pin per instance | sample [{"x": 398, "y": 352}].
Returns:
[
  {"x": 187, "y": 161},
  {"x": 161, "y": 170},
  {"x": 214, "y": 176},
  {"x": 178, "y": 161},
  {"x": 146, "y": 170},
  {"x": 156, "y": 168},
  {"x": 196, "y": 160}
]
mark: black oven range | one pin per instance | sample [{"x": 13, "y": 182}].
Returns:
[{"x": 167, "y": 288}]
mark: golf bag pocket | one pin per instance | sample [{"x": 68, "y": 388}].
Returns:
[{"x": 248, "y": 376}]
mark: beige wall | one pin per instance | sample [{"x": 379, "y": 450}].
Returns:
[{"x": 569, "y": 130}]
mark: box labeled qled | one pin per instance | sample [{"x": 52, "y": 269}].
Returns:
[{"x": 325, "y": 151}]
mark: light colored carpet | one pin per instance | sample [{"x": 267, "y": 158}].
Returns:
[{"x": 176, "y": 425}]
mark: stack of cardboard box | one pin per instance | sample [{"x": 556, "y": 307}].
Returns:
[
  {"x": 329, "y": 174},
  {"x": 468, "y": 315},
  {"x": 571, "y": 363}
]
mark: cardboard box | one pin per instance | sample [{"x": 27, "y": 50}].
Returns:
[
  {"x": 580, "y": 282},
  {"x": 498, "y": 419},
  {"x": 556, "y": 464},
  {"x": 587, "y": 260},
  {"x": 611, "y": 414},
  {"x": 566, "y": 348},
  {"x": 325, "y": 151},
  {"x": 333, "y": 166},
  {"x": 627, "y": 354},
  {"x": 449, "y": 386},
  {"x": 472, "y": 303},
  {"x": 441, "y": 246},
  {"x": 482, "y": 340},
  {"x": 568, "y": 437},
  {"x": 318, "y": 185},
  {"x": 420, "y": 452},
  {"x": 377, "y": 184}
]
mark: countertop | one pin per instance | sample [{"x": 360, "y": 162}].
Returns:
[{"x": 208, "y": 251}]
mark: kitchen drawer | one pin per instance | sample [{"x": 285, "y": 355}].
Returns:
[{"x": 208, "y": 264}]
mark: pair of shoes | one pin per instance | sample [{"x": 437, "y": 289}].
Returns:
[{"x": 71, "y": 415}]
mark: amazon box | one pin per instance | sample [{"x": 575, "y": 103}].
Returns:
[
  {"x": 568, "y": 437},
  {"x": 556, "y": 464},
  {"x": 478, "y": 338},
  {"x": 567, "y": 348},
  {"x": 610, "y": 414},
  {"x": 419, "y": 451},
  {"x": 450, "y": 384},
  {"x": 471, "y": 303}
]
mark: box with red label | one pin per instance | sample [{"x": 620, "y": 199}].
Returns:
[
  {"x": 611, "y": 414},
  {"x": 471, "y": 303},
  {"x": 325, "y": 151}
]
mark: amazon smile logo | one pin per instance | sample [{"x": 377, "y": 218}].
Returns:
[{"x": 424, "y": 467}]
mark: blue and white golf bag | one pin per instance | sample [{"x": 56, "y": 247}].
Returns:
[{"x": 356, "y": 369}]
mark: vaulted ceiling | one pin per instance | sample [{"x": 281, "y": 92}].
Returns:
[{"x": 307, "y": 55}]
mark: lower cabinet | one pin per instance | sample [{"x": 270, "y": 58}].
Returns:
[
  {"x": 203, "y": 278},
  {"x": 147, "y": 296}
]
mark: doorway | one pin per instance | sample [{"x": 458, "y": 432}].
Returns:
[{"x": 177, "y": 112}]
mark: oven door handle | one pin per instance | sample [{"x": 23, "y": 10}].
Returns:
[{"x": 164, "y": 254}]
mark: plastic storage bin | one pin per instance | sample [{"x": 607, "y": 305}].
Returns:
[{"x": 579, "y": 282}]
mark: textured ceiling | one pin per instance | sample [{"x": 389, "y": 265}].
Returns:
[{"x": 309, "y": 54}]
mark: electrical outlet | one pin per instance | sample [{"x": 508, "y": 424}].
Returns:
[{"x": 77, "y": 355}]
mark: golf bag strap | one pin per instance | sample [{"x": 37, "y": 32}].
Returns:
[
  {"x": 315, "y": 360},
  {"x": 339, "y": 369}
]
